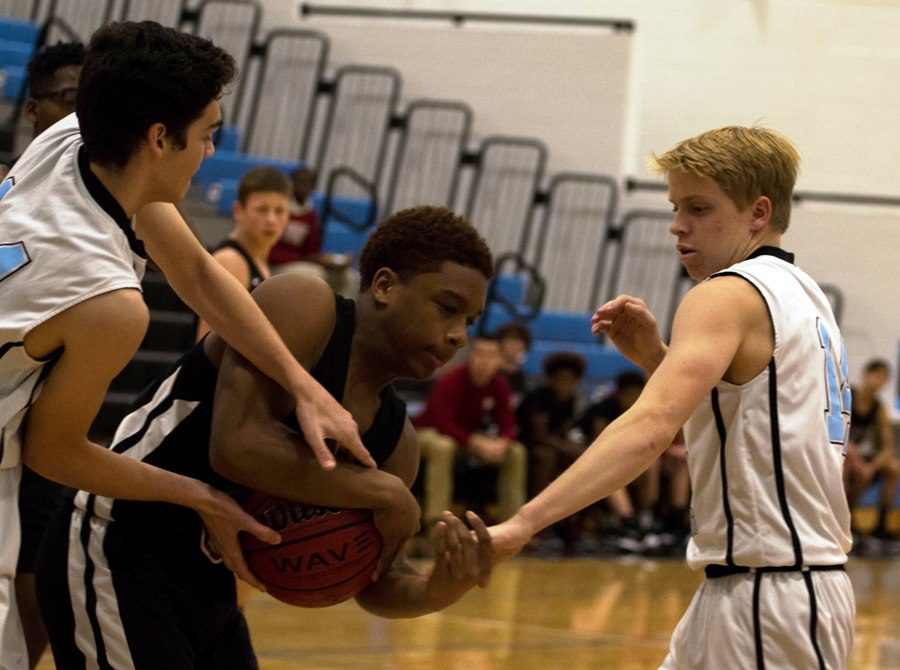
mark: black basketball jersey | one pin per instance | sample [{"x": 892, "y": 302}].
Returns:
[
  {"x": 256, "y": 276},
  {"x": 169, "y": 427}
]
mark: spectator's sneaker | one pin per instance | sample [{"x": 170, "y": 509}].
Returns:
[
  {"x": 883, "y": 534},
  {"x": 629, "y": 540}
]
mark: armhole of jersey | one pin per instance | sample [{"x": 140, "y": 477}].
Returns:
[{"x": 775, "y": 334}]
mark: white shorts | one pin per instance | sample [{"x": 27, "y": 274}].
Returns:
[
  {"x": 771, "y": 621},
  {"x": 13, "y": 654}
]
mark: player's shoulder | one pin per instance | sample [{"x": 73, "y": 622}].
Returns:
[
  {"x": 301, "y": 306},
  {"x": 722, "y": 299}
]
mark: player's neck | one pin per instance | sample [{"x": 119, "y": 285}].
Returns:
[
  {"x": 128, "y": 191},
  {"x": 371, "y": 357}
]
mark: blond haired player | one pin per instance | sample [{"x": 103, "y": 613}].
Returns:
[{"x": 756, "y": 373}]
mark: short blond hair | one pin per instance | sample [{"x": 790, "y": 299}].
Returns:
[{"x": 745, "y": 162}]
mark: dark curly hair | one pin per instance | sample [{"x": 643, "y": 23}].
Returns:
[
  {"x": 419, "y": 240},
  {"x": 139, "y": 74},
  {"x": 43, "y": 65},
  {"x": 563, "y": 360}
]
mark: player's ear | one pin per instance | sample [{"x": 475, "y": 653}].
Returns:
[
  {"x": 761, "y": 213},
  {"x": 384, "y": 285},
  {"x": 156, "y": 138},
  {"x": 31, "y": 110}
]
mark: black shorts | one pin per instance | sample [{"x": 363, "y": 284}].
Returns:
[
  {"x": 110, "y": 601},
  {"x": 39, "y": 499}
]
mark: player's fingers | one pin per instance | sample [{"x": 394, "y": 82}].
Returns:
[
  {"x": 239, "y": 568},
  {"x": 384, "y": 561},
  {"x": 261, "y": 531},
  {"x": 601, "y": 326},
  {"x": 469, "y": 542},
  {"x": 485, "y": 548},
  {"x": 316, "y": 441},
  {"x": 351, "y": 441},
  {"x": 458, "y": 541},
  {"x": 439, "y": 539}
]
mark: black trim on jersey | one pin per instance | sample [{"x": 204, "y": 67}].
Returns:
[
  {"x": 813, "y": 618},
  {"x": 90, "y": 595},
  {"x": 720, "y": 428},
  {"x": 256, "y": 275},
  {"x": 108, "y": 202},
  {"x": 779, "y": 469},
  {"x": 777, "y": 252},
  {"x": 757, "y": 629},
  {"x": 9, "y": 345}
]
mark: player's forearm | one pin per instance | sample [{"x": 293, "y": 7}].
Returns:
[
  {"x": 90, "y": 467},
  {"x": 399, "y": 594},
  {"x": 617, "y": 457},
  {"x": 268, "y": 456}
]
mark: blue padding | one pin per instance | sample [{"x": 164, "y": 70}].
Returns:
[
  {"x": 228, "y": 138},
  {"x": 871, "y": 496},
  {"x": 15, "y": 53},
  {"x": 13, "y": 77},
  {"x": 339, "y": 239},
  {"x": 232, "y": 165},
  {"x": 603, "y": 363},
  {"x": 549, "y": 325},
  {"x": 355, "y": 209},
  {"x": 511, "y": 287},
  {"x": 16, "y": 30}
]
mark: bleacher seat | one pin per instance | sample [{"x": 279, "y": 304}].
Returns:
[
  {"x": 17, "y": 40},
  {"x": 553, "y": 331},
  {"x": 11, "y": 79},
  {"x": 227, "y": 164}
]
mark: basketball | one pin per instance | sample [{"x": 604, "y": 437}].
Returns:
[{"x": 326, "y": 554}]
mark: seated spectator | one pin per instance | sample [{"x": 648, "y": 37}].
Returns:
[
  {"x": 870, "y": 453},
  {"x": 515, "y": 341},
  {"x": 629, "y": 525},
  {"x": 52, "y": 83},
  {"x": 468, "y": 413},
  {"x": 546, "y": 417},
  {"x": 300, "y": 246},
  {"x": 546, "y": 420},
  {"x": 260, "y": 215}
]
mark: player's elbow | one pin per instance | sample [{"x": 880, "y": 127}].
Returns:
[{"x": 229, "y": 453}]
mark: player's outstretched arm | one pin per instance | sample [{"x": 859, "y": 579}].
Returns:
[
  {"x": 631, "y": 326},
  {"x": 709, "y": 327},
  {"x": 220, "y": 300},
  {"x": 56, "y": 445},
  {"x": 463, "y": 560}
]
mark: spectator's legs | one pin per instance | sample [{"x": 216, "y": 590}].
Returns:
[
  {"x": 889, "y": 474},
  {"x": 438, "y": 453},
  {"x": 543, "y": 466},
  {"x": 511, "y": 481}
]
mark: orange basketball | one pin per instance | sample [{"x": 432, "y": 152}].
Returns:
[{"x": 326, "y": 555}]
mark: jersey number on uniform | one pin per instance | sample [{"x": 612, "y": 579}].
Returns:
[
  {"x": 838, "y": 401},
  {"x": 13, "y": 257}
]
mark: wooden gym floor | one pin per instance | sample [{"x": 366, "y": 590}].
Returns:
[{"x": 547, "y": 614}]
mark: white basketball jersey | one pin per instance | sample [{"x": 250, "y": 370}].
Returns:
[
  {"x": 63, "y": 239},
  {"x": 766, "y": 457}
]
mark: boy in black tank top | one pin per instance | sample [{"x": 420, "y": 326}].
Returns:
[
  {"x": 260, "y": 215},
  {"x": 870, "y": 454},
  {"x": 143, "y": 590}
]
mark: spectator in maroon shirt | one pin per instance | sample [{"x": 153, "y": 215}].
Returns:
[
  {"x": 300, "y": 246},
  {"x": 468, "y": 411}
]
